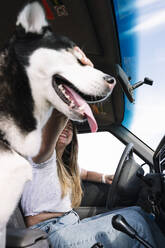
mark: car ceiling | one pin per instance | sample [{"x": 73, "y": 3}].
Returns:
[{"x": 91, "y": 25}]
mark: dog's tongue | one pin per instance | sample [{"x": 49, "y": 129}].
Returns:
[{"x": 86, "y": 109}]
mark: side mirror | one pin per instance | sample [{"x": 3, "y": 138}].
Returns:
[{"x": 125, "y": 84}]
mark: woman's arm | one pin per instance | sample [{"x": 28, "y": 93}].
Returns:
[
  {"x": 95, "y": 176},
  {"x": 50, "y": 134}
]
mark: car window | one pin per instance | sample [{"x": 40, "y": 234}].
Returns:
[
  {"x": 141, "y": 34},
  {"x": 100, "y": 152}
]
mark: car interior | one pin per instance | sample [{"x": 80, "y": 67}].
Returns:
[{"x": 91, "y": 25}]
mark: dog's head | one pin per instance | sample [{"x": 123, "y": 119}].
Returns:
[{"x": 56, "y": 75}]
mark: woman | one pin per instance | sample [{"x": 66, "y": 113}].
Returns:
[
  {"x": 48, "y": 201},
  {"x": 67, "y": 153}
]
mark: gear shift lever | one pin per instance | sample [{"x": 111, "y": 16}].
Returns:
[{"x": 119, "y": 223}]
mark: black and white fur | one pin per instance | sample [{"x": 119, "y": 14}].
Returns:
[{"x": 30, "y": 65}]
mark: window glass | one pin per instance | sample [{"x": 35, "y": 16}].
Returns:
[
  {"x": 101, "y": 152},
  {"x": 140, "y": 27}
]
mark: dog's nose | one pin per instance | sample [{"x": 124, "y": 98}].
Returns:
[{"x": 109, "y": 79}]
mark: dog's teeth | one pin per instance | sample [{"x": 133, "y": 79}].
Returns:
[
  {"x": 72, "y": 104},
  {"x": 81, "y": 107},
  {"x": 60, "y": 87},
  {"x": 67, "y": 96}
]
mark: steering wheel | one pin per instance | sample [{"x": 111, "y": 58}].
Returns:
[{"x": 125, "y": 185}]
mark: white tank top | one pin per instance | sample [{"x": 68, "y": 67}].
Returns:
[{"x": 43, "y": 193}]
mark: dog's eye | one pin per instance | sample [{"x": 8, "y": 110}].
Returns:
[{"x": 80, "y": 62}]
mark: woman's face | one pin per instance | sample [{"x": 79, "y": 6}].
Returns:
[{"x": 66, "y": 136}]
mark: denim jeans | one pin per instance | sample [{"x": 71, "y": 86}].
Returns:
[
  {"x": 68, "y": 231},
  {"x": 2, "y": 236}
]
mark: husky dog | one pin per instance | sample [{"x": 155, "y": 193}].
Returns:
[{"x": 39, "y": 71}]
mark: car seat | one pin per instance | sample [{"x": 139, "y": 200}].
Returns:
[{"x": 18, "y": 236}]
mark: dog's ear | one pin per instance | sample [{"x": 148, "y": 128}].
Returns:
[{"x": 32, "y": 18}]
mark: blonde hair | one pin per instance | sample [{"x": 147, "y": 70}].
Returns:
[{"x": 68, "y": 171}]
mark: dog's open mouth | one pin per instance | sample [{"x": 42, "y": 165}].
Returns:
[{"x": 76, "y": 100}]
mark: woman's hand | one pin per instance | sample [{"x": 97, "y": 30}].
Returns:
[
  {"x": 108, "y": 179},
  {"x": 83, "y": 59}
]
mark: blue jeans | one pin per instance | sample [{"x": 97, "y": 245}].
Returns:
[
  {"x": 68, "y": 231},
  {"x": 2, "y": 236}
]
